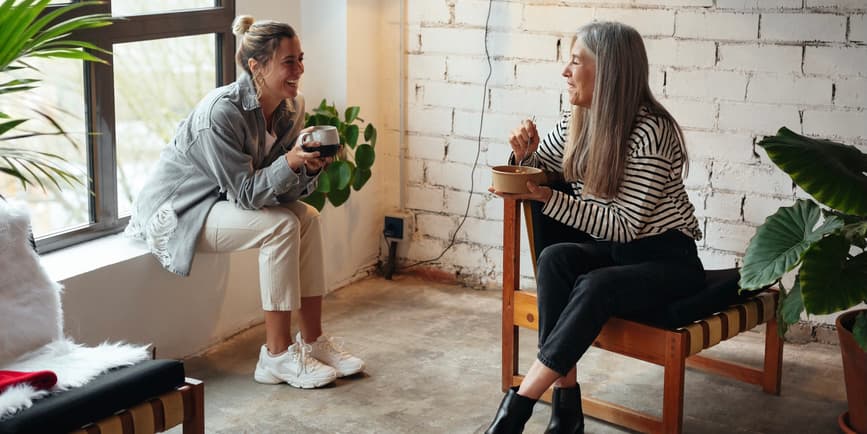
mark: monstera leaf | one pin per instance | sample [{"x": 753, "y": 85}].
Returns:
[{"x": 831, "y": 172}]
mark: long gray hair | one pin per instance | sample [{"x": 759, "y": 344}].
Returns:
[{"x": 598, "y": 138}]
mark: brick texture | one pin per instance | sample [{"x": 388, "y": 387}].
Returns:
[{"x": 730, "y": 71}]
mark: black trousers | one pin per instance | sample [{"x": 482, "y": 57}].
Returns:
[{"x": 581, "y": 283}]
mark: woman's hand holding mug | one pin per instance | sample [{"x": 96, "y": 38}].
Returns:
[
  {"x": 310, "y": 158},
  {"x": 524, "y": 140}
]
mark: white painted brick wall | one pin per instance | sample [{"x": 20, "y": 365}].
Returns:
[
  {"x": 845, "y": 125},
  {"x": 832, "y": 61},
  {"x": 691, "y": 113},
  {"x": 746, "y": 5},
  {"x": 851, "y": 92},
  {"x": 462, "y": 69},
  {"x": 475, "y": 12},
  {"x": 789, "y": 89},
  {"x": 427, "y": 67},
  {"x": 564, "y": 19},
  {"x": 426, "y": 147},
  {"x": 729, "y": 85},
  {"x": 760, "y": 118},
  {"x": 753, "y": 57},
  {"x": 464, "y": 151},
  {"x": 704, "y": 145},
  {"x": 803, "y": 27},
  {"x": 730, "y": 71},
  {"x": 675, "y": 52},
  {"x": 718, "y": 25},
  {"x": 858, "y": 28}
]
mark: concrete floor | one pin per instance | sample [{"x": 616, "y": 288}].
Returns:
[{"x": 433, "y": 366}]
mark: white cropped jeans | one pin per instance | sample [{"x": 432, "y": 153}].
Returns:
[{"x": 289, "y": 239}]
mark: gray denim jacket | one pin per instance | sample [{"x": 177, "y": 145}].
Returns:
[{"x": 218, "y": 152}]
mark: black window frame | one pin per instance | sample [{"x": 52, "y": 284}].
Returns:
[{"x": 101, "y": 152}]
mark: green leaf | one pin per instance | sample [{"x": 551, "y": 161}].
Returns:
[
  {"x": 831, "y": 280},
  {"x": 361, "y": 177},
  {"x": 370, "y": 135},
  {"x": 338, "y": 197},
  {"x": 340, "y": 173},
  {"x": 859, "y": 330},
  {"x": 351, "y": 113},
  {"x": 779, "y": 242},
  {"x": 364, "y": 156},
  {"x": 831, "y": 172},
  {"x": 324, "y": 183},
  {"x": 351, "y": 135},
  {"x": 316, "y": 200},
  {"x": 792, "y": 304},
  {"x": 856, "y": 233},
  {"x": 8, "y": 125}
]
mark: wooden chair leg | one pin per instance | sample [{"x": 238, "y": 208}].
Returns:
[
  {"x": 511, "y": 283},
  {"x": 194, "y": 417},
  {"x": 773, "y": 369},
  {"x": 675, "y": 370}
]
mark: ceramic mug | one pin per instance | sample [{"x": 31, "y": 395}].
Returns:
[{"x": 326, "y": 135}]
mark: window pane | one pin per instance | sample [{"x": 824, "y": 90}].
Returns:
[
  {"x": 153, "y": 93},
  {"x": 138, "y": 7},
  {"x": 60, "y": 96}
]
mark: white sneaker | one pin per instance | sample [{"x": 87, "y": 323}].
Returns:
[
  {"x": 296, "y": 366},
  {"x": 329, "y": 352}
]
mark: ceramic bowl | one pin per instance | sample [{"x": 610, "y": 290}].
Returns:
[{"x": 513, "y": 179}]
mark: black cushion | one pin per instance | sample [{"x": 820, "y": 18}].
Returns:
[
  {"x": 115, "y": 390},
  {"x": 720, "y": 291}
]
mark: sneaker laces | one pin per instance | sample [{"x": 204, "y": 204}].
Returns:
[{"x": 302, "y": 354}]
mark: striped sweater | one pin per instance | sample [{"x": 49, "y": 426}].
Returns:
[{"x": 651, "y": 199}]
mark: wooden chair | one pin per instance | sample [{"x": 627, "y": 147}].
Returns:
[{"x": 672, "y": 348}]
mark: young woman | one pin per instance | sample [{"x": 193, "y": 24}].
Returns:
[
  {"x": 231, "y": 180},
  {"x": 619, "y": 236}
]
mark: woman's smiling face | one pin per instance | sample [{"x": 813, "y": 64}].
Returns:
[
  {"x": 580, "y": 75},
  {"x": 283, "y": 72}
]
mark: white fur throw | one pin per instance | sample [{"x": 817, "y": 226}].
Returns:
[
  {"x": 75, "y": 366},
  {"x": 30, "y": 314},
  {"x": 31, "y": 322}
]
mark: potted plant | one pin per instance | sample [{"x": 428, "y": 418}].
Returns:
[
  {"x": 28, "y": 31},
  {"x": 351, "y": 168},
  {"x": 833, "y": 262}
]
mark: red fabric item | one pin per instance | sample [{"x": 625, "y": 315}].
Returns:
[{"x": 38, "y": 379}]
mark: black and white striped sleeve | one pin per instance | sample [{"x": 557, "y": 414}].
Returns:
[
  {"x": 549, "y": 156},
  {"x": 637, "y": 204}
]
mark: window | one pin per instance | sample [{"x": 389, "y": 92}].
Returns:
[{"x": 166, "y": 55}]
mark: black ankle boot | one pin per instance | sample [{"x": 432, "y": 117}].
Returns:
[
  {"x": 514, "y": 412},
  {"x": 566, "y": 414}
]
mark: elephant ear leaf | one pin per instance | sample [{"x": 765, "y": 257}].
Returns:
[
  {"x": 831, "y": 279},
  {"x": 780, "y": 241},
  {"x": 831, "y": 172}
]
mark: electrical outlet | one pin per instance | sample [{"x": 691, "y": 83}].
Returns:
[{"x": 396, "y": 226}]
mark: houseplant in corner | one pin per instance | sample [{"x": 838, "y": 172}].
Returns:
[
  {"x": 833, "y": 262},
  {"x": 351, "y": 168},
  {"x": 28, "y": 31}
]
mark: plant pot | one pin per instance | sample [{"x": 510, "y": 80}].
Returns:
[{"x": 855, "y": 374}]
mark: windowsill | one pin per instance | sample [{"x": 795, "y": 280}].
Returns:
[{"x": 92, "y": 255}]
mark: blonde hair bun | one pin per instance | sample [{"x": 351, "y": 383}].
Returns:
[{"x": 241, "y": 24}]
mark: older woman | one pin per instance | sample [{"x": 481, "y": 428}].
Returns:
[
  {"x": 231, "y": 180},
  {"x": 619, "y": 236}
]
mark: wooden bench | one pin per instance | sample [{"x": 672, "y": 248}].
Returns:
[{"x": 672, "y": 348}]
